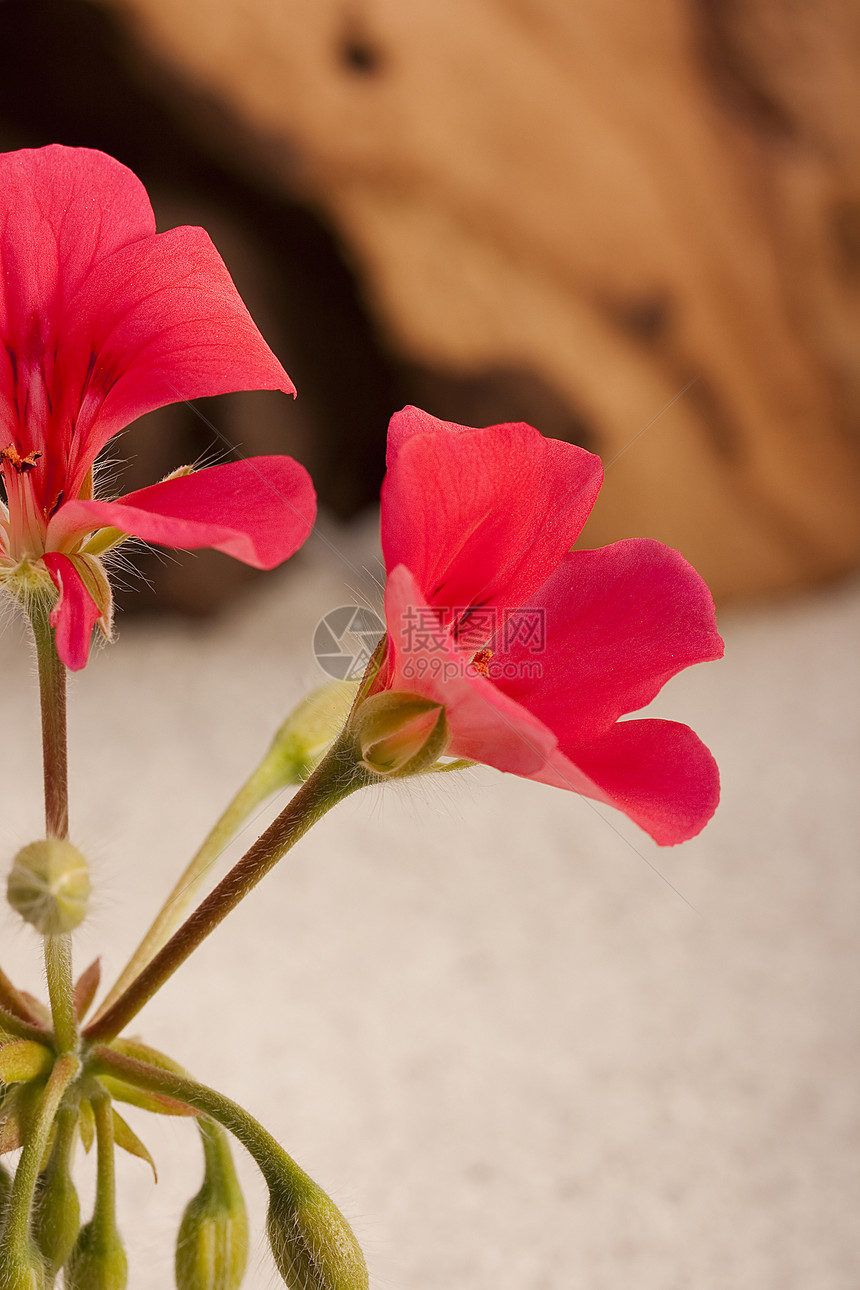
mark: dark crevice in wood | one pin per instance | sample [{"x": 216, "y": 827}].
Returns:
[{"x": 735, "y": 76}]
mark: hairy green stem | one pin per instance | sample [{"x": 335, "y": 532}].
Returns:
[
  {"x": 297, "y": 746},
  {"x": 52, "y": 692},
  {"x": 61, "y": 990},
  {"x": 336, "y": 776},
  {"x": 104, "y": 1214},
  {"x": 270, "y": 1156},
  {"x": 251, "y": 795},
  {"x": 16, "y": 1236}
]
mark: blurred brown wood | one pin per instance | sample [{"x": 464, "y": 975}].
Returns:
[{"x": 651, "y": 211}]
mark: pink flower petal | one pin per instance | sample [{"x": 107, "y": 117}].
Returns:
[
  {"x": 259, "y": 510},
  {"x": 62, "y": 212},
  {"x": 75, "y": 613},
  {"x": 659, "y": 773},
  {"x": 618, "y": 622},
  {"x": 158, "y": 322},
  {"x": 485, "y": 724},
  {"x": 481, "y": 517},
  {"x": 102, "y": 319}
]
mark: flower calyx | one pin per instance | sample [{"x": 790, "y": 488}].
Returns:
[{"x": 399, "y": 734}]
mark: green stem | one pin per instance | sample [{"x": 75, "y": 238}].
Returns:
[
  {"x": 61, "y": 990},
  {"x": 273, "y": 1160},
  {"x": 104, "y": 1214},
  {"x": 336, "y": 776},
  {"x": 16, "y": 1236},
  {"x": 297, "y": 746},
  {"x": 251, "y": 795},
  {"x": 52, "y": 689},
  {"x": 52, "y": 692}
]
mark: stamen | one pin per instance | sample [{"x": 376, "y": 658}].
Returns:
[
  {"x": 22, "y": 464},
  {"x": 481, "y": 661}
]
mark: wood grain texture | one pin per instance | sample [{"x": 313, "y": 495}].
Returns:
[{"x": 624, "y": 201}]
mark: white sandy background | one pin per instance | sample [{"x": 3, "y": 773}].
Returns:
[{"x": 519, "y": 1044}]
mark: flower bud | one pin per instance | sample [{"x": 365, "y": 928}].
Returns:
[
  {"x": 399, "y": 734},
  {"x": 21, "y": 1271},
  {"x": 310, "y": 728},
  {"x": 313, "y": 1245},
  {"x": 212, "y": 1245},
  {"x": 57, "y": 1213},
  {"x": 49, "y": 886},
  {"x": 5, "y": 1188},
  {"x": 22, "y": 1060},
  {"x": 98, "y": 1260}
]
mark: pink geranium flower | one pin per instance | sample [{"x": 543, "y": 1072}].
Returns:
[
  {"x": 101, "y": 320},
  {"x": 536, "y": 651}
]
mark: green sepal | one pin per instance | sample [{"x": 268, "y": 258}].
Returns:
[
  {"x": 124, "y": 1136},
  {"x": 86, "y": 1125},
  {"x": 17, "y": 1109},
  {"x": 157, "y": 1103},
  {"x": 23, "y": 1060},
  {"x": 86, "y": 988},
  {"x": 92, "y": 574},
  {"x": 142, "y": 1052},
  {"x": 40, "y": 1010}
]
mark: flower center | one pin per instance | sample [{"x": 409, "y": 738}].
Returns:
[
  {"x": 25, "y": 523},
  {"x": 23, "y": 465}
]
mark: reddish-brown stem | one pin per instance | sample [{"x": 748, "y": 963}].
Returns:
[{"x": 335, "y": 778}]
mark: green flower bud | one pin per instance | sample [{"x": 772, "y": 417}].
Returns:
[
  {"x": 310, "y": 728},
  {"x": 21, "y": 1272},
  {"x": 399, "y": 734},
  {"x": 313, "y": 1245},
  {"x": 57, "y": 1214},
  {"x": 5, "y": 1188},
  {"x": 212, "y": 1245},
  {"x": 22, "y": 1060},
  {"x": 98, "y": 1260},
  {"x": 49, "y": 886}
]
